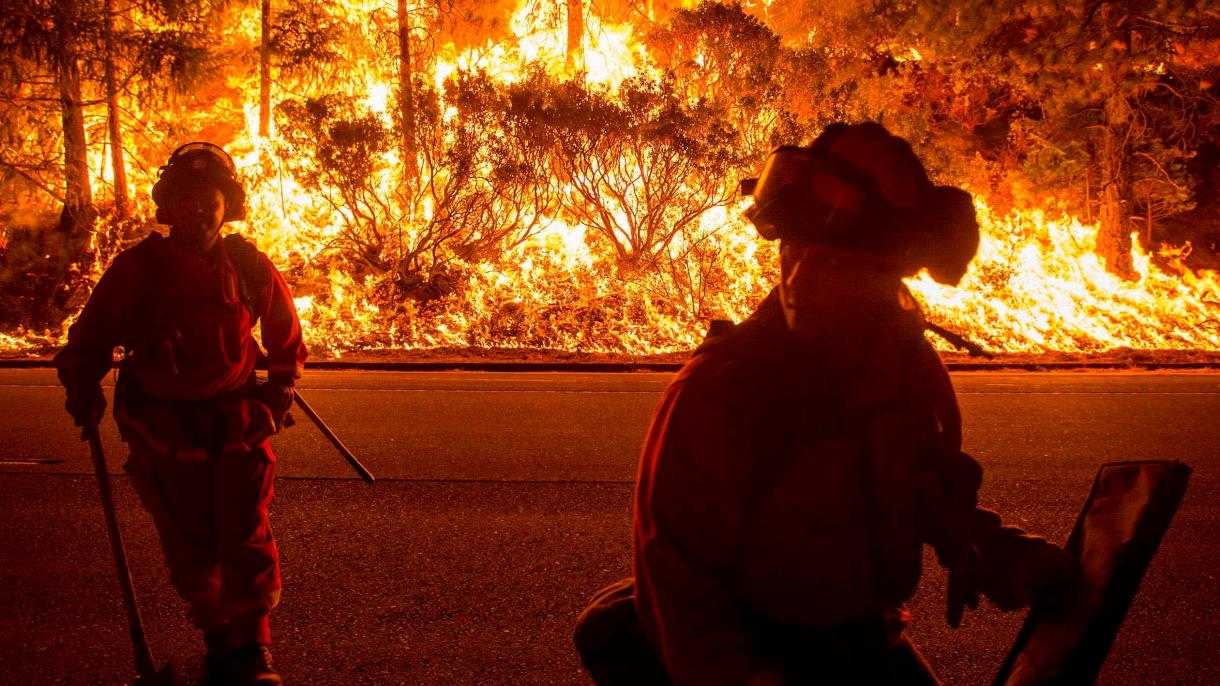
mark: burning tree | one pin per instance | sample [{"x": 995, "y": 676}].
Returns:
[
  {"x": 556, "y": 173},
  {"x": 1101, "y": 103},
  {"x": 66, "y": 59}
]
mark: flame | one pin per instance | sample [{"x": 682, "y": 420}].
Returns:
[{"x": 1036, "y": 285}]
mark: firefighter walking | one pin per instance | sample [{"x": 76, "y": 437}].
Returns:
[{"x": 196, "y": 422}]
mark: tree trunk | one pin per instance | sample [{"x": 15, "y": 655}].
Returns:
[
  {"x": 1088, "y": 192},
  {"x": 1148, "y": 207},
  {"x": 71, "y": 239},
  {"x": 78, "y": 194},
  {"x": 264, "y": 72},
  {"x": 406, "y": 86},
  {"x": 1113, "y": 236},
  {"x": 575, "y": 58},
  {"x": 121, "y": 207}
]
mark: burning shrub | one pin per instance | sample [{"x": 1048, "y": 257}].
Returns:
[
  {"x": 486, "y": 187},
  {"x": 477, "y": 192},
  {"x": 636, "y": 167},
  {"x": 731, "y": 62},
  {"x": 334, "y": 146}
]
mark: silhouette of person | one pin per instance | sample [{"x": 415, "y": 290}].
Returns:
[
  {"x": 196, "y": 422},
  {"x": 798, "y": 463}
]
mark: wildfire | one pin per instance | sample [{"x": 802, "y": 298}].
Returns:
[{"x": 1036, "y": 285}]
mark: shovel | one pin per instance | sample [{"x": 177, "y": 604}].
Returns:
[{"x": 146, "y": 669}]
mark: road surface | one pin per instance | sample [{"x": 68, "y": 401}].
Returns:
[{"x": 504, "y": 502}]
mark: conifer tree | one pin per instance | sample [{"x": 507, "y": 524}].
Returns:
[{"x": 1109, "y": 103}]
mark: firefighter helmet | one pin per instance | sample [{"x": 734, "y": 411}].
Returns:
[
  {"x": 860, "y": 188},
  {"x": 195, "y": 161}
]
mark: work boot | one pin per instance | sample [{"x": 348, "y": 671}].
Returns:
[
  {"x": 252, "y": 666},
  {"x": 217, "y": 663}
]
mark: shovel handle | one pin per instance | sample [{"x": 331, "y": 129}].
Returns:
[
  {"x": 145, "y": 666},
  {"x": 330, "y": 435}
]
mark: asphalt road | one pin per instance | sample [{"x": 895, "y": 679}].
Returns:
[{"x": 504, "y": 502}]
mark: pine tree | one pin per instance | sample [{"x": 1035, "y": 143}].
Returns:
[
  {"x": 67, "y": 57},
  {"x": 1106, "y": 103}
]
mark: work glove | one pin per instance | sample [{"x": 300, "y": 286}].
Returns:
[
  {"x": 278, "y": 398},
  {"x": 948, "y": 489},
  {"x": 87, "y": 404},
  {"x": 963, "y": 589},
  {"x": 1026, "y": 569},
  {"x": 1057, "y": 579}
]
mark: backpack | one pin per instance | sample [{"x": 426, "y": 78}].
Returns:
[
  {"x": 612, "y": 643},
  {"x": 252, "y": 275}
]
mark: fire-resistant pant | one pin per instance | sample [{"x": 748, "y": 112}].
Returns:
[
  {"x": 210, "y": 510},
  {"x": 868, "y": 650}
]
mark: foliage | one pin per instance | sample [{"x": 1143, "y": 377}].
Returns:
[
  {"x": 729, "y": 61},
  {"x": 1091, "y": 93},
  {"x": 477, "y": 194},
  {"x": 635, "y": 168},
  {"x": 306, "y": 40},
  {"x": 1096, "y": 107}
]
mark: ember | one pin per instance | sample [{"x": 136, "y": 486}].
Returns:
[{"x": 560, "y": 175}]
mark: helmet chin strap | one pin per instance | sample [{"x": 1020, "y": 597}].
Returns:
[{"x": 194, "y": 242}]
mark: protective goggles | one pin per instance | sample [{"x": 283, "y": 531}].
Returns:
[{"x": 806, "y": 192}]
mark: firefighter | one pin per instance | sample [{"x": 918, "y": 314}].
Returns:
[
  {"x": 798, "y": 463},
  {"x": 196, "y": 422}
]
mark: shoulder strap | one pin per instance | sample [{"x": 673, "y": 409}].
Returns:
[
  {"x": 146, "y": 328},
  {"x": 151, "y": 268},
  {"x": 244, "y": 257}
]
